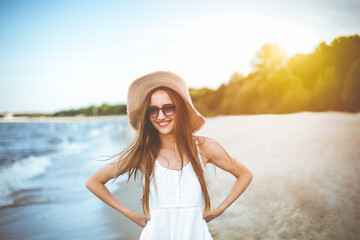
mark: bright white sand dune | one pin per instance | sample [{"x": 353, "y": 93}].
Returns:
[{"x": 306, "y": 169}]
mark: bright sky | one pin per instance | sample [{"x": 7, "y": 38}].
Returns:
[{"x": 57, "y": 55}]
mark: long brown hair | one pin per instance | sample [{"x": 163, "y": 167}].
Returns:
[{"x": 141, "y": 154}]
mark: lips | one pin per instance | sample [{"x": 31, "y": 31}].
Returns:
[{"x": 163, "y": 123}]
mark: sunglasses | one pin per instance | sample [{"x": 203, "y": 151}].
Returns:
[{"x": 167, "y": 109}]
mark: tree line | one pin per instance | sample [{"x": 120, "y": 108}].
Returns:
[
  {"x": 103, "y": 110},
  {"x": 327, "y": 79}
]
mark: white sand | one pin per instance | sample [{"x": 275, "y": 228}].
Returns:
[{"x": 306, "y": 177}]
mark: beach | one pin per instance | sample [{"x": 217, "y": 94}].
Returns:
[
  {"x": 305, "y": 186},
  {"x": 306, "y": 181},
  {"x": 305, "y": 168}
]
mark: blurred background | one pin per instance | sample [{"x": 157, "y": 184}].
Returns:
[
  {"x": 65, "y": 67},
  {"x": 283, "y": 56}
]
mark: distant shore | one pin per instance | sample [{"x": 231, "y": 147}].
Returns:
[
  {"x": 81, "y": 118},
  {"x": 64, "y": 119}
]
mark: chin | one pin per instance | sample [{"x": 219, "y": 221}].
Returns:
[{"x": 165, "y": 131}]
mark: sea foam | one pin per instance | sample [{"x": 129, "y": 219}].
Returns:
[{"x": 14, "y": 177}]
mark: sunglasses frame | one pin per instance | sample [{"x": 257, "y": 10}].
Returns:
[{"x": 162, "y": 109}]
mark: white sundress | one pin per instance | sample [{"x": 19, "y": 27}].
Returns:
[{"x": 176, "y": 209}]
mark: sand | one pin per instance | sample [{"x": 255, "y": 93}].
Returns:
[{"x": 306, "y": 181}]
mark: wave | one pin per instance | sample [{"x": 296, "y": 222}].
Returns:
[
  {"x": 73, "y": 147},
  {"x": 14, "y": 177}
]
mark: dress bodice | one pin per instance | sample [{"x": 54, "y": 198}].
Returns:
[{"x": 176, "y": 205}]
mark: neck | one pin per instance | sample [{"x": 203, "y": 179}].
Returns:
[{"x": 168, "y": 141}]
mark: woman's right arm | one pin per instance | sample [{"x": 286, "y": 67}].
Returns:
[{"x": 96, "y": 184}]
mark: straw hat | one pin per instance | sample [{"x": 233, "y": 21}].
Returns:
[{"x": 140, "y": 88}]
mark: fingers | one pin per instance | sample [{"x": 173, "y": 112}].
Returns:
[
  {"x": 144, "y": 223},
  {"x": 140, "y": 219}
]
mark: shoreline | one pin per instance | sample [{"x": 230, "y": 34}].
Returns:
[
  {"x": 129, "y": 194},
  {"x": 63, "y": 119},
  {"x": 121, "y": 117}
]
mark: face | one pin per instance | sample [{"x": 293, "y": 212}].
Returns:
[{"x": 162, "y": 123}]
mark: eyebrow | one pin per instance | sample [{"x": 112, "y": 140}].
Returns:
[{"x": 162, "y": 105}]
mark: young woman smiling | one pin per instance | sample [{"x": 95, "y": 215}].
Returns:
[{"x": 171, "y": 160}]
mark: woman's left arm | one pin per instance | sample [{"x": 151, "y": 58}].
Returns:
[{"x": 217, "y": 155}]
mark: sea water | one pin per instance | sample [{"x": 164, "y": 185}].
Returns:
[{"x": 43, "y": 170}]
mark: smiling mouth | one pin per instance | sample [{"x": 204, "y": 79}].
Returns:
[{"x": 164, "y": 123}]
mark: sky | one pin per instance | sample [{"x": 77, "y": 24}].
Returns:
[{"x": 57, "y": 55}]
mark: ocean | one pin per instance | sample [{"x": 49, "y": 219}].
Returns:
[{"x": 43, "y": 170}]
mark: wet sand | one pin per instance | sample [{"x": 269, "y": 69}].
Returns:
[{"x": 129, "y": 194}]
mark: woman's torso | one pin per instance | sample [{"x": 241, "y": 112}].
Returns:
[{"x": 176, "y": 205}]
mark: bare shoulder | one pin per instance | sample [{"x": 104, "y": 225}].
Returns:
[
  {"x": 210, "y": 149},
  {"x": 206, "y": 143},
  {"x": 218, "y": 156}
]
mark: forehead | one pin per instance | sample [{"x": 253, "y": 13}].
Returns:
[{"x": 159, "y": 98}]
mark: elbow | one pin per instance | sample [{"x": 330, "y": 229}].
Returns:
[
  {"x": 93, "y": 182},
  {"x": 89, "y": 183},
  {"x": 245, "y": 176},
  {"x": 249, "y": 176}
]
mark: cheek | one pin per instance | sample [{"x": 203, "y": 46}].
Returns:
[{"x": 153, "y": 121}]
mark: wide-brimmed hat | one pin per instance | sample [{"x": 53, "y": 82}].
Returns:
[{"x": 142, "y": 86}]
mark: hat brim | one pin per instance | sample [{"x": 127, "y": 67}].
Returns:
[{"x": 142, "y": 86}]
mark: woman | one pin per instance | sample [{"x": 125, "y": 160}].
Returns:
[{"x": 171, "y": 159}]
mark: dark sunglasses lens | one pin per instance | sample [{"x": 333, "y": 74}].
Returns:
[
  {"x": 169, "y": 109},
  {"x": 153, "y": 112}
]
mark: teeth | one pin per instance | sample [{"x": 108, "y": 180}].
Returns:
[{"x": 163, "y": 123}]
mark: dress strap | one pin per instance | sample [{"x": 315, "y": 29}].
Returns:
[{"x": 198, "y": 150}]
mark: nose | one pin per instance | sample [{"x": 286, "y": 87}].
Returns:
[{"x": 161, "y": 114}]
